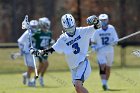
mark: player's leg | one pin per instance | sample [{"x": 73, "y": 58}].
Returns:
[
  {"x": 79, "y": 75},
  {"x": 108, "y": 70},
  {"x": 40, "y": 66},
  {"x": 30, "y": 68},
  {"x": 79, "y": 87},
  {"x": 103, "y": 76},
  {"x": 24, "y": 75},
  {"x": 110, "y": 58},
  {"x": 102, "y": 67},
  {"x": 41, "y": 78},
  {"x": 44, "y": 67}
]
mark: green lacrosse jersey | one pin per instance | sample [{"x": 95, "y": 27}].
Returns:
[{"x": 42, "y": 39}]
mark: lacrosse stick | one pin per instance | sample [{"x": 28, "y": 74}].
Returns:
[
  {"x": 128, "y": 36},
  {"x": 26, "y": 25},
  {"x": 136, "y": 53}
]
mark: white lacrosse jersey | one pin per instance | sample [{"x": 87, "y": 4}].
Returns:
[
  {"x": 24, "y": 42},
  {"x": 104, "y": 38},
  {"x": 75, "y": 48}
]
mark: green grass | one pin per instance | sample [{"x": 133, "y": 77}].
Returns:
[
  {"x": 58, "y": 77},
  {"x": 121, "y": 81}
]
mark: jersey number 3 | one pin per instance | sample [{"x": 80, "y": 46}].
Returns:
[
  {"x": 76, "y": 48},
  {"x": 105, "y": 40}
]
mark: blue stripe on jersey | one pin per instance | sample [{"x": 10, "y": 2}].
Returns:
[{"x": 82, "y": 77}]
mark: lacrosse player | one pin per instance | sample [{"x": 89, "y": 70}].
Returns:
[
  {"x": 43, "y": 39},
  {"x": 104, "y": 36},
  {"x": 24, "y": 46},
  {"x": 74, "y": 43}
]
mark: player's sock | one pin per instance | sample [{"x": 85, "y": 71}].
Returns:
[
  {"x": 104, "y": 81},
  {"x": 24, "y": 78},
  {"x": 104, "y": 84},
  {"x": 41, "y": 81}
]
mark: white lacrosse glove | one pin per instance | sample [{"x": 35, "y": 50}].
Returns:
[
  {"x": 95, "y": 48},
  {"x": 93, "y": 20}
]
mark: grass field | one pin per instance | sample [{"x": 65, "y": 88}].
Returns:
[{"x": 58, "y": 77}]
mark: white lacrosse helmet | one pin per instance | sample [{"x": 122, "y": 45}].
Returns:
[
  {"x": 104, "y": 19},
  {"x": 68, "y": 23},
  {"x": 103, "y": 16},
  {"x": 34, "y": 25},
  {"x": 44, "y": 23}
]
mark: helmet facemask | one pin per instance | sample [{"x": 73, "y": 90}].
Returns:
[
  {"x": 70, "y": 31},
  {"x": 104, "y": 22}
]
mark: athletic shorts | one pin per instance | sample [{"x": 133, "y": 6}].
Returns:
[
  {"x": 43, "y": 59},
  {"x": 81, "y": 72},
  {"x": 28, "y": 59},
  {"x": 105, "y": 58}
]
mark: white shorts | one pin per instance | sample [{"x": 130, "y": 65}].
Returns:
[
  {"x": 28, "y": 59},
  {"x": 105, "y": 58},
  {"x": 81, "y": 72}
]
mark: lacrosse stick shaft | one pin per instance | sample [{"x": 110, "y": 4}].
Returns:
[
  {"x": 30, "y": 40},
  {"x": 128, "y": 36},
  {"x": 36, "y": 73}
]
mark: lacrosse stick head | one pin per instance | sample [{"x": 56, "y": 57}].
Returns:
[
  {"x": 25, "y": 23},
  {"x": 136, "y": 53}
]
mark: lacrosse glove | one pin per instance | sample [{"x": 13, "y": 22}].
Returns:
[
  {"x": 35, "y": 52},
  {"x": 93, "y": 20}
]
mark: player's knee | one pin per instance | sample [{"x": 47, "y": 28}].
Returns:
[
  {"x": 102, "y": 70},
  {"x": 78, "y": 86}
]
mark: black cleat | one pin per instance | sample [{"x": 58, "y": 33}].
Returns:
[{"x": 105, "y": 87}]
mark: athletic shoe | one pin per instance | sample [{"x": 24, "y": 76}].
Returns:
[
  {"x": 41, "y": 81},
  {"x": 31, "y": 84},
  {"x": 105, "y": 87}
]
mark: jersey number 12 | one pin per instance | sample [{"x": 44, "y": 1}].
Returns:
[{"x": 105, "y": 40}]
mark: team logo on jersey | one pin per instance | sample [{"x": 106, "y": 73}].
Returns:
[
  {"x": 105, "y": 34},
  {"x": 72, "y": 41}
]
